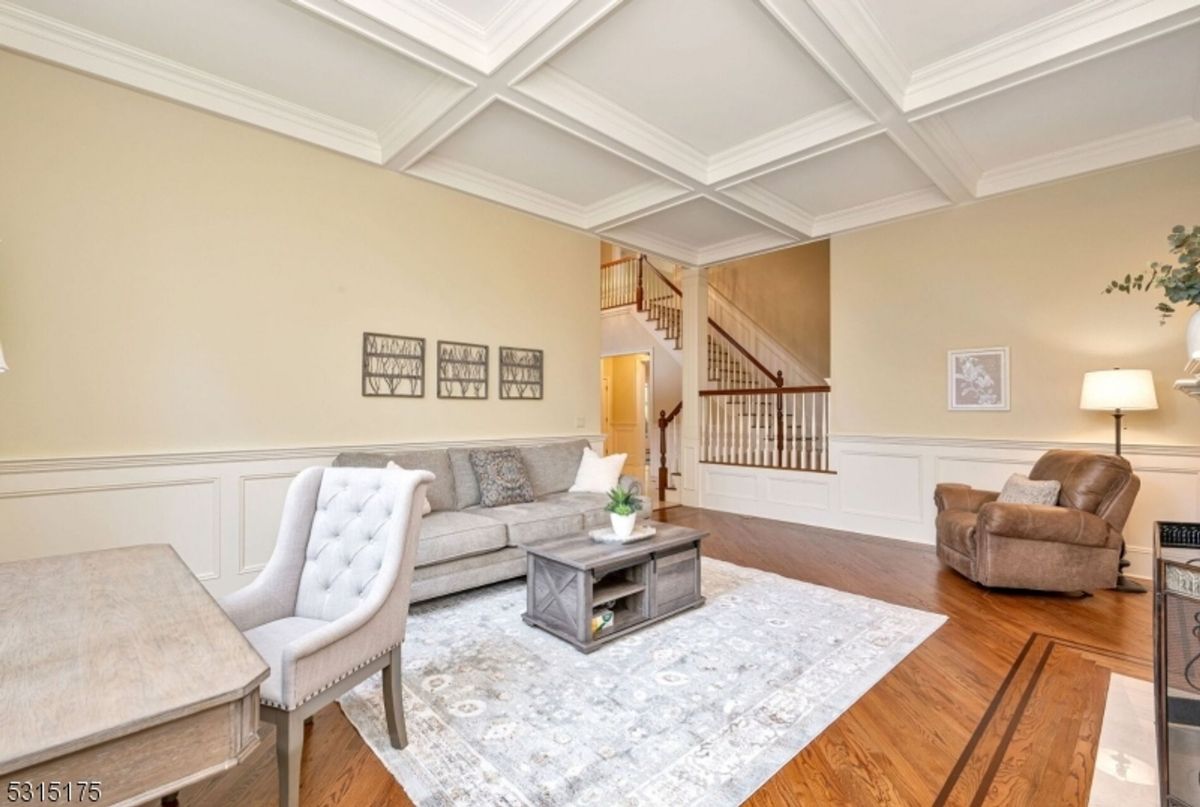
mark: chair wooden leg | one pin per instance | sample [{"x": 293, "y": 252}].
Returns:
[
  {"x": 393, "y": 702},
  {"x": 288, "y": 747}
]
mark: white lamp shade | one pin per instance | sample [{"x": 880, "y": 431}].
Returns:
[{"x": 1127, "y": 390}]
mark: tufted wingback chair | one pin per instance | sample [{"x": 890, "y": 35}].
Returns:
[
  {"x": 1073, "y": 546},
  {"x": 329, "y": 608}
]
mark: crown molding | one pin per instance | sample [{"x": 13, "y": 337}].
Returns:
[
  {"x": 741, "y": 247},
  {"x": 28, "y": 32},
  {"x": 755, "y": 196},
  {"x": 477, "y": 182},
  {"x": 415, "y": 118},
  {"x": 636, "y": 202},
  {"x": 1078, "y": 28},
  {"x": 852, "y": 23},
  {"x": 1151, "y": 141},
  {"x": 557, "y": 90},
  {"x": 875, "y": 212},
  {"x": 946, "y": 145},
  {"x": 827, "y": 125},
  {"x": 481, "y": 47}
]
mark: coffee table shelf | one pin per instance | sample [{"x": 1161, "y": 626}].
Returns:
[{"x": 569, "y": 578}]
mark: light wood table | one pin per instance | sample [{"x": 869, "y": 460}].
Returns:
[
  {"x": 571, "y": 579},
  {"x": 121, "y": 679}
]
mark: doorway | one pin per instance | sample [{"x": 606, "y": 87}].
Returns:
[{"x": 626, "y": 394}]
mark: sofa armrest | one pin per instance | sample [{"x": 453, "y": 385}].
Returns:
[
  {"x": 1040, "y": 522},
  {"x": 954, "y": 496},
  {"x": 630, "y": 483}
]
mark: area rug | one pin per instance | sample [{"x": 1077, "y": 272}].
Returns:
[{"x": 700, "y": 709}]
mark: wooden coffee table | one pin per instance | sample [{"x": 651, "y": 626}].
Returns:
[{"x": 573, "y": 577}]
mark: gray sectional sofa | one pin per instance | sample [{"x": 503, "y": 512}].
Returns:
[{"x": 464, "y": 545}]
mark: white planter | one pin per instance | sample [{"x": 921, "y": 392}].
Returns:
[
  {"x": 623, "y": 525},
  {"x": 1193, "y": 336}
]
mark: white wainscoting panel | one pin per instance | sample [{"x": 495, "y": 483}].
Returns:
[
  {"x": 884, "y": 485},
  {"x": 219, "y": 510}
]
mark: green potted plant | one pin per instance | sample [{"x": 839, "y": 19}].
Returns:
[
  {"x": 1179, "y": 283},
  {"x": 623, "y": 507}
]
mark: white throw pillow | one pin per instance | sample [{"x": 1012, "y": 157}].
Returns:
[
  {"x": 598, "y": 474},
  {"x": 426, "y": 507},
  {"x": 1020, "y": 489}
]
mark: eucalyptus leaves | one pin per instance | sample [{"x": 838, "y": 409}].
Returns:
[{"x": 1180, "y": 284}]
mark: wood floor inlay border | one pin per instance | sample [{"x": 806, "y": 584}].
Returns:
[{"x": 1052, "y": 682}]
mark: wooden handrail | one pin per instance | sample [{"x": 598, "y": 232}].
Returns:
[
  {"x": 663, "y": 277},
  {"x": 704, "y": 393},
  {"x": 664, "y": 419},
  {"x": 776, "y": 378},
  {"x": 619, "y": 260}
]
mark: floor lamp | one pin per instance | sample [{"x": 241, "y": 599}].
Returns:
[{"x": 1119, "y": 391}]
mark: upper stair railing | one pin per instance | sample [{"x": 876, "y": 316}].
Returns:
[{"x": 748, "y": 416}]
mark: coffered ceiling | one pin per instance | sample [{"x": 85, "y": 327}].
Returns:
[{"x": 701, "y": 130}]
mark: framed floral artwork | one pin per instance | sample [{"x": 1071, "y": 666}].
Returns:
[{"x": 977, "y": 379}]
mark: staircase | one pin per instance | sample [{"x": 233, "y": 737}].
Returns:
[{"x": 749, "y": 416}]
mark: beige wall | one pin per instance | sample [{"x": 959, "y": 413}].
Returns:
[
  {"x": 787, "y": 294},
  {"x": 1026, "y": 271},
  {"x": 173, "y": 281}
]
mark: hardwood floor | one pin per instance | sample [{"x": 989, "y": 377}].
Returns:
[{"x": 1001, "y": 705}]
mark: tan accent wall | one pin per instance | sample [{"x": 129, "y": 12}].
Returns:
[
  {"x": 787, "y": 294},
  {"x": 1024, "y": 271},
  {"x": 172, "y": 281}
]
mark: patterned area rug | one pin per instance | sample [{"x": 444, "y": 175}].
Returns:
[{"x": 700, "y": 709}]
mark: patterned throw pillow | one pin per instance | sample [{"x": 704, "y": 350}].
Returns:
[
  {"x": 1020, "y": 489},
  {"x": 502, "y": 477}
]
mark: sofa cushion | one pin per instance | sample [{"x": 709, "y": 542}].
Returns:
[
  {"x": 440, "y": 493},
  {"x": 466, "y": 486},
  {"x": 502, "y": 477},
  {"x": 532, "y": 522},
  {"x": 552, "y": 467},
  {"x": 450, "y": 535},
  {"x": 588, "y": 505}
]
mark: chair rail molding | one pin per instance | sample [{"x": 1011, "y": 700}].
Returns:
[
  {"x": 219, "y": 509},
  {"x": 884, "y": 484}
]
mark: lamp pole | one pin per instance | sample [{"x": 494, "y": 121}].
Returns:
[{"x": 1117, "y": 415}]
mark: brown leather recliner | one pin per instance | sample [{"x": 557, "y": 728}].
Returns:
[{"x": 1075, "y": 546}]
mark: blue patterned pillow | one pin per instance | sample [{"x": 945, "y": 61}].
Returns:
[{"x": 502, "y": 476}]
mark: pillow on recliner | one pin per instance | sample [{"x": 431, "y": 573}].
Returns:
[{"x": 1020, "y": 489}]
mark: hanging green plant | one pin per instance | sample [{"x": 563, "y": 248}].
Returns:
[{"x": 1179, "y": 283}]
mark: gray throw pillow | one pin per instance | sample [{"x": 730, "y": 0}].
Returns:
[
  {"x": 1020, "y": 489},
  {"x": 502, "y": 477}
]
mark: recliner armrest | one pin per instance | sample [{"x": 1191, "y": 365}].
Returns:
[
  {"x": 1040, "y": 522},
  {"x": 955, "y": 496}
]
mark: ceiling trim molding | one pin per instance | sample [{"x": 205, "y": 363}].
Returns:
[
  {"x": 637, "y": 202},
  {"x": 56, "y": 41},
  {"x": 742, "y": 246},
  {"x": 556, "y": 89},
  {"x": 755, "y": 196},
  {"x": 874, "y": 212},
  {"x": 944, "y": 141},
  {"x": 414, "y": 119},
  {"x": 854, "y": 24},
  {"x": 817, "y": 129},
  {"x": 1015, "y": 53},
  {"x": 472, "y": 180},
  {"x": 1152, "y": 141},
  {"x": 481, "y": 47}
]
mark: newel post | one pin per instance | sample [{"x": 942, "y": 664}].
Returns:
[
  {"x": 662, "y": 455},
  {"x": 640, "y": 293}
]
